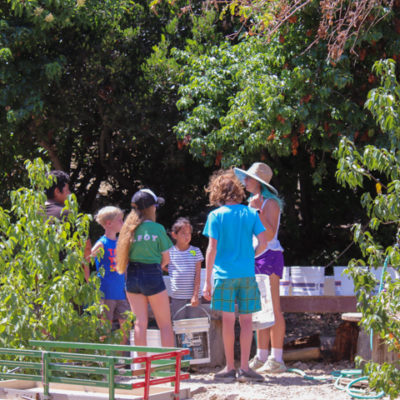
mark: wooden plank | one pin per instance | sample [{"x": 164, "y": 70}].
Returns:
[
  {"x": 12, "y": 389},
  {"x": 319, "y": 304},
  {"x": 305, "y": 354}
]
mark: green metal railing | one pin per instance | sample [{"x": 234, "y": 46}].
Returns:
[{"x": 50, "y": 365}]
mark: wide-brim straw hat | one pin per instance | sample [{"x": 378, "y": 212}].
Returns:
[{"x": 260, "y": 172}]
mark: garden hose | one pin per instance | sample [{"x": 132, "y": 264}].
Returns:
[
  {"x": 308, "y": 377},
  {"x": 360, "y": 394},
  {"x": 338, "y": 375},
  {"x": 371, "y": 335}
]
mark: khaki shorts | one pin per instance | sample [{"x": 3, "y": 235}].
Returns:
[{"x": 116, "y": 309}]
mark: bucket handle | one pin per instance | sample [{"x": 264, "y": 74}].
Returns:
[{"x": 188, "y": 305}]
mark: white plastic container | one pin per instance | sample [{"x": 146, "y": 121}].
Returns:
[
  {"x": 264, "y": 318},
  {"x": 329, "y": 286},
  {"x": 153, "y": 337},
  {"x": 193, "y": 334},
  {"x": 284, "y": 283},
  {"x": 344, "y": 284},
  {"x": 307, "y": 281}
]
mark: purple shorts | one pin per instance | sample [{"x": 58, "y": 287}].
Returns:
[{"x": 270, "y": 262}]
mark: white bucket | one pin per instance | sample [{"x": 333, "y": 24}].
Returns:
[
  {"x": 264, "y": 318},
  {"x": 153, "y": 337},
  {"x": 307, "y": 281},
  {"x": 193, "y": 334},
  {"x": 284, "y": 283},
  {"x": 344, "y": 284}
]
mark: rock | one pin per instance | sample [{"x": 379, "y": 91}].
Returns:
[
  {"x": 200, "y": 389},
  {"x": 233, "y": 396}
]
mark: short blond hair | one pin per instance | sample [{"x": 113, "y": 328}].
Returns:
[
  {"x": 224, "y": 187},
  {"x": 107, "y": 214}
]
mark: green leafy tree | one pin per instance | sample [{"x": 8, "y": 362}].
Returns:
[
  {"x": 71, "y": 83},
  {"x": 284, "y": 102},
  {"x": 43, "y": 293},
  {"x": 376, "y": 171}
]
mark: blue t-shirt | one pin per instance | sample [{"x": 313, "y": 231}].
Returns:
[
  {"x": 112, "y": 283},
  {"x": 233, "y": 226}
]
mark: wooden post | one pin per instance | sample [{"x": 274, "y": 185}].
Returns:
[{"x": 380, "y": 353}]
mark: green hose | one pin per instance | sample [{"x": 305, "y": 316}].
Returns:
[
  {"x": 308, "y": 377},
  {"x": 360, "y": 394},
  {"x": 338, "y": 375}
]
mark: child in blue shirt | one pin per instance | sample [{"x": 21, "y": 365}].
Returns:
[
  {"x": 230, "y": 229},
  {"x": 112, "y": 283}
]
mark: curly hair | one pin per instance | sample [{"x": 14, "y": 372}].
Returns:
[{"x": 224, "y": 187}]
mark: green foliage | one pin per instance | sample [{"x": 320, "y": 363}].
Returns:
[
  {"x": 43, "y": 291},
  {"x": 360, "y": 168},
  {"x": 279, "y": 101},
  {"x": 241, "y": 99}
]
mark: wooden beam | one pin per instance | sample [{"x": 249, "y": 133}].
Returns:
[{"x": 318, "y": 304}]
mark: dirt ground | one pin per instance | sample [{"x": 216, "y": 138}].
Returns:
[
  {"x": 289, "y": 385},
  {"x": 284, "y": 386}
]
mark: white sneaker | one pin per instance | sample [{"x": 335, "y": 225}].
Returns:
[
  {"x": 256, "y": 363},
  {"x": 272, "y": 366}
]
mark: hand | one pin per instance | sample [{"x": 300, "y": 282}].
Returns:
[
  {"x": 194, "y": 302},
  {"x": 207, "y": 292},
  {"x": 256, "y": 202}
]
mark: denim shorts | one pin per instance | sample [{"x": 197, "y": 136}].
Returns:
[
  {"x": 270, "y": 262},
  {"x": 146, "y": 279},
  {"x": 242, "y": 290}
]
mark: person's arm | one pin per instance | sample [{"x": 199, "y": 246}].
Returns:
[
  {"x": 262, "y": 243},
  {"x": 195, "y": 298},
  {"x": 95, "y": 249},
  {"x": 269, "y": 216},
  {"x": 210, "y": 260},
  {"x": 165, "y": 260},
  {"x": 87, "y": 253}
]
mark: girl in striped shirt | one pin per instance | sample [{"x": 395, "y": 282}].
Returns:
[{"x": 184, "y": 270}]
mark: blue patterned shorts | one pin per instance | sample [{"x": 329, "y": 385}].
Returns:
[{"x": 242, "y": 290}]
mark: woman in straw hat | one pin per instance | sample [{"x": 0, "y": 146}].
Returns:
[{"x": 264, "y": 198}]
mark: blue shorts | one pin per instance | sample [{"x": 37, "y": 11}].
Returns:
[
  {"x": 243, "y": 290},
  {"x": 146, "y": 279},
  {"x": 270, "y": 262}
]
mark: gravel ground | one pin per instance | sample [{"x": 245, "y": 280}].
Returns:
[
  {"x": 284, "y": 386},
  {"x": 289, "y": 385}
]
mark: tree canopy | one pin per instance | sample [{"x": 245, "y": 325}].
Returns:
[{"x": 122, "y": 95}]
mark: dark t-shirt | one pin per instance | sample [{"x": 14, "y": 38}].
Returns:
[{"x": 55, "y": 210}]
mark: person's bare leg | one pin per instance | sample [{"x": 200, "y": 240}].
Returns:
[
  {"x": 160, "y": 305},
  {"x": 277, "y": 331},
  {"x": 228, "y": 337},
  {"x": 246, "y": 337},
  {"x": 139, "y": 307},
  {"x": 263, "y": 338}
]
